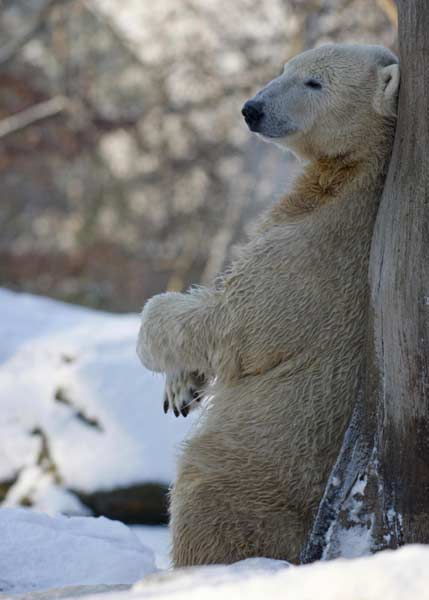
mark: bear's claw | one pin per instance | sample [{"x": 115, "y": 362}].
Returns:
[{"x": 181, "y": 393}]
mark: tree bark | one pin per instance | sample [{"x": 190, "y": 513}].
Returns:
[
  {"x": 380, "y": 485},
  {"x": 399, "y": 280}
]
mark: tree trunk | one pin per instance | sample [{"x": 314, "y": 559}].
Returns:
[{"x": 378, "y": 493}]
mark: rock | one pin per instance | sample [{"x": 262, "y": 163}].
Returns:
[
  {"x": 5, "y": 487},
  {"x": 143, "y": 504}
]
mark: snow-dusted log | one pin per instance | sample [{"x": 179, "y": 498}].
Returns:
[{"x": 380, "y": 483}]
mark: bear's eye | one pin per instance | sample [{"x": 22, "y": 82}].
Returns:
[{"x": 313, "y": 83}]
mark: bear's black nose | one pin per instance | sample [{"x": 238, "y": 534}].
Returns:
[{"x": 253, "y": 112}]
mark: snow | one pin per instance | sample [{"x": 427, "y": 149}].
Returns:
[
  {"x": 38, "y": 552},
  {"x": 396, "y": 575},
  {"x": 78, "y": 409},
  {"x": 44, "y": 494},
  {"x": 356, "y": 538},
  {"x": 72, "y": 555},
  {"x": 158, "y": 539}
]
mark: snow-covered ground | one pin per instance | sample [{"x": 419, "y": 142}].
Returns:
[
  {"x": 72, "y": 555},
  {"x": 78, "y": 411},
  {"x": 389, "y": 575}
]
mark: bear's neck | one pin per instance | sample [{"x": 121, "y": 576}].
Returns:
[
  {"x": 330, "y": 179},
  {"x": 320, "y": 183}
]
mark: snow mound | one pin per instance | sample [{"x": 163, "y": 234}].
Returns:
[
  {"x": 207, "y": 577},
  {"x": 78, "y": 411},
  {"x": 393, "y": 574},
  {"x": 38, "y": 552}
]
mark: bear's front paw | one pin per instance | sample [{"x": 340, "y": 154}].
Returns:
[{"x": 183, "y": 391}]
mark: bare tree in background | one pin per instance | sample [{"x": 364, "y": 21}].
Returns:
[
  {"x": 125, "y": 166},
  {"x": 380, "y": 485}
]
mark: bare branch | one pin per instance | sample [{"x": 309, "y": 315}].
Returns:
[
  {"x": 34, "y": 114},
  {"x": 10, "y": 50},
  {"x": 388, "y": 6},
  {"x": 114, "y": 30}
]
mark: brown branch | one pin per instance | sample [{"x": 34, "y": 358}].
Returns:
[
  {"x": 34, "y": 114},
  {"x": 10, "y": 50}
]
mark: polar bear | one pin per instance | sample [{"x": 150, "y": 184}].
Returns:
[{"x": 279, "y": 338}]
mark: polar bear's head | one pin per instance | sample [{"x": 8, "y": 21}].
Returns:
[{"x": 328, "y": 101}]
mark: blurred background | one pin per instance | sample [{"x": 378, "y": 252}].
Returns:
[
  {"x": 126, "y": 169},
  {"x": 125, "y": 166}
]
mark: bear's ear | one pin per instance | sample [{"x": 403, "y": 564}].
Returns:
[{"x": 386, "y": 94}]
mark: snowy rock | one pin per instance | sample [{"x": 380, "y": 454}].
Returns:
[
  {"x": 78, "y": 411},
  {"x": 38, "y": 552}
]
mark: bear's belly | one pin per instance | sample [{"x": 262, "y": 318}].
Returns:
[{"x": 288, "y": 424}]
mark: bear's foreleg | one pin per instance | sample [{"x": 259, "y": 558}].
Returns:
[{"x": 177, "y": 332}]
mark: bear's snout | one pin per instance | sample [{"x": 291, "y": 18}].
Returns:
[{"x": 253, "y": 111}]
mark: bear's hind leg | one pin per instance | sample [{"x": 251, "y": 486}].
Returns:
[
  {"x": 214, "y": 521},
  {"x": 200, "y": 523}
]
